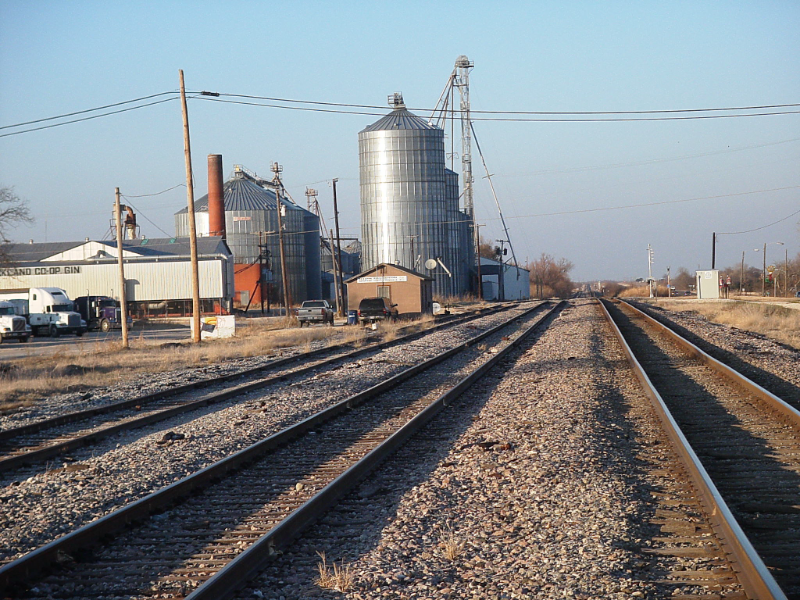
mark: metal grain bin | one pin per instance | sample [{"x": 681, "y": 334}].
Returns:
[
  {"x": 251, "y": 215},
  {"x": 403, "y": 196}
]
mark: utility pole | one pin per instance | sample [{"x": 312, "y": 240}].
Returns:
[
  {"x": 786, "y": 274},
  {"x": 741, "y": 276},
  {"x": 713, "y": 250},
  {"x": 669, "y": 289},
  {"x": 287, "y": 295},
  {"x": 192, "y": 228},
  {"x": 337, "y": 277},
  {"x": 263, "y": 264},
  {"x": 338, "y": 248},
  {"x": 122, "y": 298}
]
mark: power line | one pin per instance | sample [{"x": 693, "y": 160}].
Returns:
[
  {"x": 521, "y": 119},
  {"x": 113, "y": 112},
  {"x": 157, "y": 193},
  {"x": 138, "y": 212},
  {"x": 513, "y": 112},
  {"x": 80, "y": 112},
  {"x": 764, "y": 227}
]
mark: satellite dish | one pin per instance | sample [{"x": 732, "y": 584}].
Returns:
[{"x": 430, "y": 264}]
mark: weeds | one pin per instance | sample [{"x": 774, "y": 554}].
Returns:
[
  {"x": 450, "y": 544},
  {"x": 335, "y": 577}
]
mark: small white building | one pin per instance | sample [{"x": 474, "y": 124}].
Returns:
[
  {"x": 501, "y": 281},
  {"x": 707, "y": 284}
]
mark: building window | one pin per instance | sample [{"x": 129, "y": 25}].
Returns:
[{"x": 384, "y": 291}]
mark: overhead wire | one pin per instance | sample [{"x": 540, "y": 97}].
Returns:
[
  {"x": 113, "y": 112},
  {"x": 797, "y": 212},
  {"x": 544, "y": 119},
  {"x": 81, "y": 112}
]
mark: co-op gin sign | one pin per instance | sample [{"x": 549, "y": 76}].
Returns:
[{"x": 17, "y": 271}]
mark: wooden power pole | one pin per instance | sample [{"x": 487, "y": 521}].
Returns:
[
  {"x": 192, "y": 227},
  {"x": 287, "y": 295},
  {"x": 338, "y": 249},
  {"x": 122, "y": 297}
]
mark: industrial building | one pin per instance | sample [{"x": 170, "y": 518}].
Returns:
[
  {"x": 409, "y": 202},
  {"x": 158, "y": 276},
  {"x": 249, "y": 224},
  {"x": 502, "y": 281}
]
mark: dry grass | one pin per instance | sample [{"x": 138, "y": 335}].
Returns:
[
  {"x": 103, "y": 363},
  {"x": 450, "y": 544},
  {"x": 774, "y": 322},
  {"x": 643, "y": 292},
  {"x": 335, "y": 577}
]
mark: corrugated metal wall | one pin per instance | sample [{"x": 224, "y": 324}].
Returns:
[{"x": 151, "y": 281}]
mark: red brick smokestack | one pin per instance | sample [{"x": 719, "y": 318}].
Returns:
[{"x": 216, "y": 196}]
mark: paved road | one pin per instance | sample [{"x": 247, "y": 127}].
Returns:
[{"x": 89, "y": 342}]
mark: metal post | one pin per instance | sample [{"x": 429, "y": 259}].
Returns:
[
  {"x": 122, "y": 299},
  {"x": 764, "y": 273},
  {"x": 338, "y": 248},
  {"x": 478, "y": 259},
  {"x": 192, "y": 228}
]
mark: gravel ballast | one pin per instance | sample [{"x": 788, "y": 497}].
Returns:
[
  {"x": 540, "y": 483},
  {"x": 95, "y": 481}
]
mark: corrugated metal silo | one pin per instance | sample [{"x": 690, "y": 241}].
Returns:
[
  {"x": 403, "y": 196},
  {"x": 250, "y": 216}
]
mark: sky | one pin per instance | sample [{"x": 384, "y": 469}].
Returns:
[{"x": 594, "y": 193}]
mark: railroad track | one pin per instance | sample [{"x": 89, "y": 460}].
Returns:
[
  {"x": 741, "y": 444},
  {"x": 43, "y": 440},
  {"x": 231, "y": 516}
]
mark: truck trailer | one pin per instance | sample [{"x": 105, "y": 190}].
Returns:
[{"x": 48, "y": 310}]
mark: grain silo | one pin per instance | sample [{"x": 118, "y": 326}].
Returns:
[
  {"x": 404, "y": 200},
  {"x": 251, "y": 221}
]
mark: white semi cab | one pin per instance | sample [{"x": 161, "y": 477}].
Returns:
[
  {"x": 48, "y": 310},
  {"x": 13, "y": 326}
]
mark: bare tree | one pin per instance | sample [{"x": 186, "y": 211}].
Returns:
[
  {"x": 13, "y": 211},
  {"x": 550, "y": 277}
]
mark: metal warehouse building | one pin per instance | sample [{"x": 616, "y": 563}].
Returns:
[
  {"x": 157, "y": 272},
  {"x": 251, "y": 226}
]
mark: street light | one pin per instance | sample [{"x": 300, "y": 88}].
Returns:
[{"x": 764, "y": 270}]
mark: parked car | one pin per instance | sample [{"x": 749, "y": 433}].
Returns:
[
  {"x": 376, "y": 309},
  {"x": 315, "y": 311}
]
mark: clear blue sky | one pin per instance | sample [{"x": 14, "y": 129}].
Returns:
[{"x": 59, "y": 57}]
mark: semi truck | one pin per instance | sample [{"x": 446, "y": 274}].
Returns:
[
  {"x": 48, "y": 310},
  {"x": 13, "y": 326},
  {"x": 100, "y": 312}
]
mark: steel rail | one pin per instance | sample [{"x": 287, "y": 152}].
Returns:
[
  {"x": 753, "y": 573},
  {"x": 242, "y": 568},
  {"x": 774, "y": 402},
  {"x": 25, "y": 567},
  {"x": 45, "y": 452},
  {"x": 188, "y": 387}
]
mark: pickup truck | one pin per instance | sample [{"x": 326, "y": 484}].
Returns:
[
  {"x": 371, "y": 310},
  {"x": 315, "y": 311}
]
